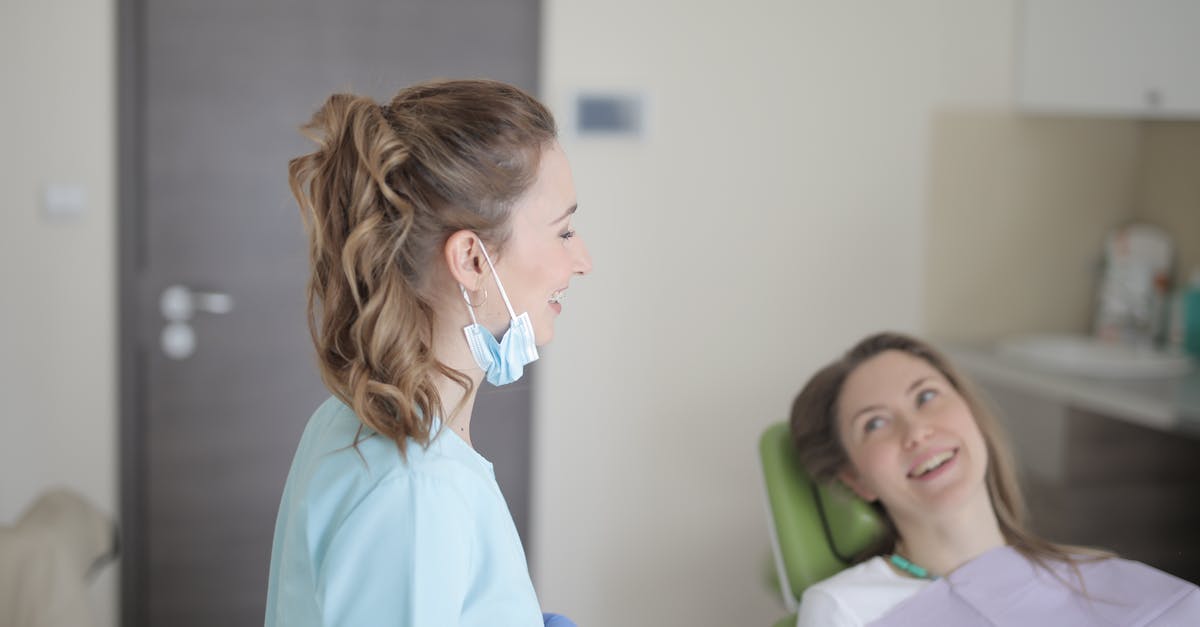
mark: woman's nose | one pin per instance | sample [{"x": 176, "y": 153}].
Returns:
[
  {"x": 915, "y": 431},
  {"x": 583, "y": 258}
]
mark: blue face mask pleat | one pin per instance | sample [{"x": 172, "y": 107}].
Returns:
[{"x": 502, "y": 362}]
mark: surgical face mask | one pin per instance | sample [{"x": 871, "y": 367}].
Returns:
[{"x": 502, "y": 362}]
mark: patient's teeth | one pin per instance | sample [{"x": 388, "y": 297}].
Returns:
[{"x": 933, "y": 462}]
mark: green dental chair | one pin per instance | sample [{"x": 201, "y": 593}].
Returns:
[{"x": 815, "y": 530}]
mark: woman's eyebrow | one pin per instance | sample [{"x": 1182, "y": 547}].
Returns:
[
  {"x": 864, "y": 410},
  {"x": 916, "y": 384},
  {"x": 570, "y": 210}
]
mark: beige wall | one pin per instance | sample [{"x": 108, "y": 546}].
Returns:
[
  {"x": 775, "y": 213},
  {"x": 1019, "y": 207},
  {"x": 1018, "y": 210},
  {"x": 1167, "y": 191},
  {"x": 57, "y": 313}
]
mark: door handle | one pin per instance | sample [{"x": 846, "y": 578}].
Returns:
[{"x": 178, "y": 303}]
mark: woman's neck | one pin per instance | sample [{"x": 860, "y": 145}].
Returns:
[
  {"x": 942, "y": 544},
  {"x": 458, "y": 404},
  {"x": 450, "y": 348}
]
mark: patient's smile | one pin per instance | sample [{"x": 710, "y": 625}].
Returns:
[{"x": 935, "y": 462}]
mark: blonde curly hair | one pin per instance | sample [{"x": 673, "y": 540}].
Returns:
[{"x": 383, "y": 191}]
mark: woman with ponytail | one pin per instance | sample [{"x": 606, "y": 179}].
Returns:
[{"x": 441, "y": 244}]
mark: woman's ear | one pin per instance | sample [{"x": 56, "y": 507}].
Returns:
[
  {"x": 464, "y": 258},
  {"x": 850, "y": 478}
]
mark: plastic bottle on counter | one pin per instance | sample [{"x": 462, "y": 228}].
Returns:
[
  {"x": 1132, "y": 300},
  {"x": 1191, "y": 315}
]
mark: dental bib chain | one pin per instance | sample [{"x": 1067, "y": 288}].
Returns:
[{"x": 916, "y": 571}]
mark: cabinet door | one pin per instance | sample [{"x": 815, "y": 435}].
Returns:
[{"x": 1138, "y": 58}]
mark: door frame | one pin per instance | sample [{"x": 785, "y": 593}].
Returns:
[{"x": 130, "y": 356}]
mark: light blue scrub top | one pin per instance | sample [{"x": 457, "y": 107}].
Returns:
[{"x": 373, "y": 540}]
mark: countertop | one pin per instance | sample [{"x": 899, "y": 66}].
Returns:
[{"x": 1165, "y": 403}]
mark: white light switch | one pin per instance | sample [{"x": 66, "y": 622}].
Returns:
[{"x": 63, "y": 201}]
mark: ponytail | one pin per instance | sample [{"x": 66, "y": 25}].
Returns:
[{"x": 381, "y": 193}]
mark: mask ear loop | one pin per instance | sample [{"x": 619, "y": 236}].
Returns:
[
  {"x": 512, "y": 314},
  {"x": 468, "y": 298},
  {"x": 470, "y": 305}
]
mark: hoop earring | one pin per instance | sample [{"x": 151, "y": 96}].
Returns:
[{"x": 480, "y": 303}]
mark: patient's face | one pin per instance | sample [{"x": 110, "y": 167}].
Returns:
[{"x": 911, "y": 438}]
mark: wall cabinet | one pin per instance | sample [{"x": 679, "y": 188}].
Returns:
[{"x": 1129, "y": 58}]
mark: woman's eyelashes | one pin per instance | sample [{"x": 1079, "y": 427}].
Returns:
[
  {"x": 567, "y": 234},
  {"x": 926, "y": 395},
  {"x": 874, "y": 423}
]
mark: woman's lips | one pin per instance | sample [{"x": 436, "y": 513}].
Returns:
[{"x": 933, "y": 464}]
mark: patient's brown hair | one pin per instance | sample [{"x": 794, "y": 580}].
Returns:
[{"x": 815, "y": 436}]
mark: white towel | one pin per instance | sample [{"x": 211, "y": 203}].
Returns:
[{"x": 47, "y": 559}]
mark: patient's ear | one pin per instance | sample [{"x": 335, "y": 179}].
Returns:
[{"x": 850, "y": 478}]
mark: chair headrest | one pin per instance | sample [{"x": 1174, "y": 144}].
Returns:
[{"x": 817, "y": 529}]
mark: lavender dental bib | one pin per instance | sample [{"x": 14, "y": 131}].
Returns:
[{"x": 1001, "y": 587}]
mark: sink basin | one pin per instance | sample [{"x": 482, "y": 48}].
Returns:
[{"x": 1088, "y": 356}]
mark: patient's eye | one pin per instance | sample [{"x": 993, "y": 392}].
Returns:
[
  {"x": 873, "y": 423},
  {"x": 926, "y": 395}
]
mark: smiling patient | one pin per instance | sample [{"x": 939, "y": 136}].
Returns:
[{"x": 899, "y": 426}]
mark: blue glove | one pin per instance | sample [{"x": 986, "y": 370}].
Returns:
[{"x": 557, "y": 620}]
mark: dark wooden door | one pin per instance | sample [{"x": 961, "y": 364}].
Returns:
[{"x": 213, "y": 92}]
